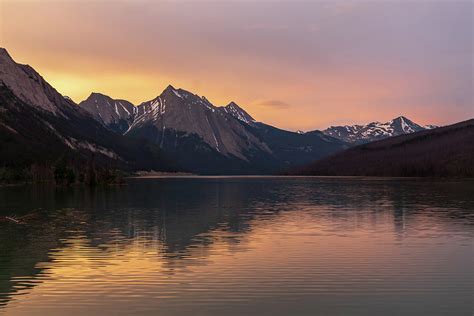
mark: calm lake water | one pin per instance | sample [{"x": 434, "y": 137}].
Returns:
[{"x": 239, "y": 246}]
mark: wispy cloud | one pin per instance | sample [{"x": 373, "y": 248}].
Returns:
[{"x": 272, "y": 104}]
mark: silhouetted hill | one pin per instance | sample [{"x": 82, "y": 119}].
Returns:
[{"x": 445, "y": 152}]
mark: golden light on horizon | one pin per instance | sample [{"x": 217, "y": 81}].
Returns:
[{"x": 304, "y": 73}]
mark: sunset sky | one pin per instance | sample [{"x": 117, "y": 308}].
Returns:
[{"x": 296, "y": 65}]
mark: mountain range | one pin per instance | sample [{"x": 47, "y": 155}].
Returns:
[
  {"x": 446, "y": 151},
  {"x": 208, "y": 139},
  {"x": 176, "y": 131},
  {"x": 121, "y": 116},
  {"x": 41, "y": 130},
  {"x": 361, "y": 134},
  {"x": 205, "y": 138}
]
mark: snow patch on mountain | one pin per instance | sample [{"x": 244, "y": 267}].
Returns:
[
  {"x": 236, "y": 111},
  {"x": 11, "y": 129},
  {"x": 357, "y": 134}
]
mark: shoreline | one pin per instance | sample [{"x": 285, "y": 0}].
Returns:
[{"x": 373, "y": 178}]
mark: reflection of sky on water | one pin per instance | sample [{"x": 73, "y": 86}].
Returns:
[{"x": 233, "y": 246}]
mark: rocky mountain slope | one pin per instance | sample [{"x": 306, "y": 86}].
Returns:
[
  {"x": 444, "y": 151},
  {"x": 177, "y": 130},
  {"x": 39, "y": 126},
  {"x": 204, "y": 138},
  {"x": 115, "y": 114},
  {"x": 360, "y": 134},
  {"x": 178, "y": 110}
]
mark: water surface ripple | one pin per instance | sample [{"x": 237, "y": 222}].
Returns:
[{"x": 239, "y": 246}]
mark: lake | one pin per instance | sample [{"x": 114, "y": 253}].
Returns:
[{"x": 239, "y": 246}]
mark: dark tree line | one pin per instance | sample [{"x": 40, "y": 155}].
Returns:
[{"x": 63, "y": 172}]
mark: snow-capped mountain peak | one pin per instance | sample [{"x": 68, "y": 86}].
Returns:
[
  {"x": 236, "y": 111},
  {"x": 178, "y": 111},
  {"x": 405, "y": 125},
  {"x": 358, "y": 134}
]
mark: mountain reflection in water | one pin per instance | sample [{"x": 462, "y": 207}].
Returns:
[{"x": 239, "y": 246}]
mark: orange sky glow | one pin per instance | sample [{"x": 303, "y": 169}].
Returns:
[{"x": 296, "y": 66}]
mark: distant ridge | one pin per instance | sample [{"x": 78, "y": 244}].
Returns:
[
  {"x": 442, "y": 152},
  {"x": 360, "y": 134}
]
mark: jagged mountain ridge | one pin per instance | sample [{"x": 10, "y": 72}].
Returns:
[
  {"x": 199, "y": 136},
  {"x": 180, "y": 110},
  {"x": 360, "y": 134},
  {"x": 114, "y": 114},
  {"x": 351, "y": 134},
  {"x": 224, "y": 138},
  {"x": 39, "y": 125},
  {"x": 187, "y": 112},
  {"x": 184, "y": 124}
]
